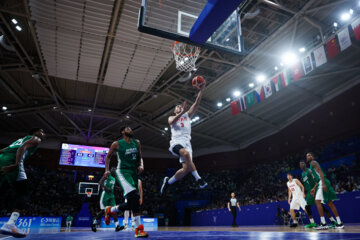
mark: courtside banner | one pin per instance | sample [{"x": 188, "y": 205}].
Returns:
[
  {"x": 35, "y": 222},
  {"x": 149, "y": 223}
]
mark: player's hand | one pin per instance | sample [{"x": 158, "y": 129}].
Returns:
[
  {"x": 202, "y": 87},
  {"x": 239, "y": 209},
  {"x": 106, "y": 174},
  {"x": 324, "y": 188},
  {"x": 140, "y": 169},
  {"x": 140, "y": 201},
  {"x": 304, "y": 195},
  {"x": 289, "y": 202},
  {"x": 9, "y": 168},
  {"x": 312, "y": 192},
  {"x": 229, "y": 209}
]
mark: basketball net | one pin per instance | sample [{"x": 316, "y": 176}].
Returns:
[
  {"x": 88, "y": 194},
  {"x": 185, "y": 56}
]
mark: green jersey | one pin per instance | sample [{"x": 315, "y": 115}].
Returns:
[
  {"x": 110, "y": 184},
  {"x": 12, "y": 149},
  {"x": 128, "y": 154},
  {"x": 308, "y": 180},
  {"x": 69, "y": 218},
  {"x": 316, "y": 174}
]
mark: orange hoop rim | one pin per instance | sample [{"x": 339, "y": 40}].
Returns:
[
  {"x": 89, "y": 194},
  {"x": 197, "y": 52}
]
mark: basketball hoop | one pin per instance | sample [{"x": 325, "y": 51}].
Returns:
[{"x": 185, "y": 56}]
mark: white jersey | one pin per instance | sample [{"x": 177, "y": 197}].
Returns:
[
  {"x": 181, "y": 129},
  {"x": 295, "y": 189}
]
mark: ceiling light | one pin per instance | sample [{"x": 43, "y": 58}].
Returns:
[
  {"x": 197, "y": 118},
  {"x": 302, "y": 49},
  {"x": 335, "y": 24},
  {"x": 228, "y": 99},
  {"x": 18, "y": 28},
  {"x": 219, "y": 104},
  {"x": 345, "y": 16},
  {"x": 14, "y": 21},
  {"x": 4, "y": 108},
  {"x": 251, "y": 85},
  {"x": 228, "y": 39},
  {"x": 9, "y": 114},
  {"x": 166, "y": 129},
  {"x": 281, "y": 64},
  {"x": 260, "y": 78},
  {"x": 351, "y": 11},
  {"x": 236, "y": 93},
  {"x": 289, "y": 58},
  {"x": 89, "y": 110},
  {"x": 127, "y": 116},
  {"x": 276, "y": 68}
]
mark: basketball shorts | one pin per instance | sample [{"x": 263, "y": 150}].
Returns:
[
  {"x": 11, "y": 177},
  {"x": 127, "y": 179},
  {"x": 107, "y": 200},
  {"x": 297, "y": 203},
  {"x": 319, "y": 193},
  {"x": 185, "y": 144}
]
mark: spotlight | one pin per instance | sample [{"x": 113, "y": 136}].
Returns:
[
  {"x": 4, "y": 108},
  {"x": 276, "y": 68},
  {"x": 14, "y": 21},
  {"x": 219, "y": 104},
  {"x": 18, "y": 28},
  {"x": 228, "y": 99},
  {"x": 228, "y": 39},
  {"x": 236, "y": 93},
  {"x": 260, "y": 78},
  {"x": 166, "y": 129},
  {"x": 351, "y": 11},
  {"x": 289, "y": 58},
  {"x": 281, "y": 64},
  {"x": 89, "y": 110},
  {"x": 302, "y": 49},
  {"x": 9, "y": 114},
  {"x": 251, "y": 85},
  {"x": 127, "y": 116},
  {"x": 345, "y": 16},
  {"x": 335, "y": 24}
]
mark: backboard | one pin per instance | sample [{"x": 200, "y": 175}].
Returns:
[
  {"x": 85, "y": 187},
  {"x": 174, "y": 19}
]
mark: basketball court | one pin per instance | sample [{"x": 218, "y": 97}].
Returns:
[{"x": 82, "y": 69}]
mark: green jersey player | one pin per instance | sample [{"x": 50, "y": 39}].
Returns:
[
  {"x": 130, "y": 163},
  {"x": 323, "y": 192},
  {"x": 310, "y": 184},
  {"x": 13, "y": 176},
  {"x": 107, "y": 198}
]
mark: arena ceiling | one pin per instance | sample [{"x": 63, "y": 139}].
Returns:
[{"x": 81, "y": 70}]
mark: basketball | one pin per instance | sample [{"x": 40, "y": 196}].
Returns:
[{"x": 198, "y": 81}]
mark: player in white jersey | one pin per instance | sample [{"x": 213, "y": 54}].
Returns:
[
  {"x": 296, "y": 190},
  {"x": 180, "y": 145}
]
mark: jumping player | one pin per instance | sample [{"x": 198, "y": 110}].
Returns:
[
  {"x": 107, "y": 199},
  {"x": 296, "y": 190},
  {"x": 323, "y": 191},
  {"x": 180, "y": 145},
  {"x": 309, "y": 184},
  {"x": 127, "y": 212},
  {"x": 130, "y": 163},
  {"x": 13, "y": 176}
]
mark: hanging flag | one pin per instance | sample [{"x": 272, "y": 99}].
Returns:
[
  {"x": 332, "y": 48},
  {"x": 242, "y": 104},
  {"x": 277, "y": 82},
  {"x": 267, "y": 89},
  {"x": 356, "y": 28},
  {"x": 344, "y": 39},
  {"x": 320, "y": 57},
  {"x": 307, "y": 63},
  {"x": 250, "y": 99},
  {"x": 296, "y": 71},
  {"x": 235, "y": 107},
  {"x": 260, "y": 94},
  {"x": 285, "y": 78}
]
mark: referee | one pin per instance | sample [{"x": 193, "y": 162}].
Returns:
[{"x": 232, "y": 204}]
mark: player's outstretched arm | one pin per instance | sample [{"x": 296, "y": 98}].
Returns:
[
  {"x": 173, "y": 119},
  {"x": 140, "y": 160},
  {"x": 113, "y": 148},
  {"x": 32, "y": 142},
  {"x": 196, "y": 104}
]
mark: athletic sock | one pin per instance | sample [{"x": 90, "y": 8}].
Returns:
[
  {"x": 137, "y": 221},
  {"x": 126, "y": 216},
  {"x": 172, "y": 180},
  {"x": 116, "y": 223},
  {"x": 322, "y": 219},
  {"x": 294, "y": 221},
  {"x": 196, "y": 175},
  {"x": 95, "y": 221},
  {"x": 332, "y": 219},
  {"x": 311, "y": 220},
  {"x": 338, "y": 220},
  {"x": 114, "y": 209},
  {"x": 14, "y": 216}
]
